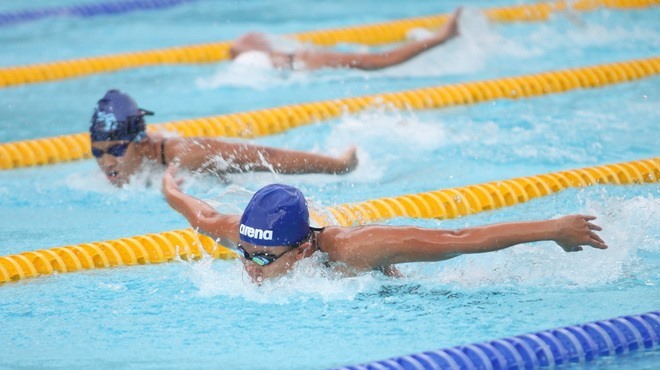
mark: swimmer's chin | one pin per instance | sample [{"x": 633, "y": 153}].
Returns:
[{"x": 115, "y": 180}]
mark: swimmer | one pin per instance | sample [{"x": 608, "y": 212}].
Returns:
[
  {"x": 121, "y": 146},
  {"x": 315, "y": 59},
  {"x": 273, "y": 233}
]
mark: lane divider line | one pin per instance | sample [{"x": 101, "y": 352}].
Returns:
[
  {"x": 270, "y": 121},
  {"x": 186, "y": 244},
  {"x": 373, "y": 34}
]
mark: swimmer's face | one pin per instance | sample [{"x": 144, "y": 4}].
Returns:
[
  {"x": 116, "y": 167},
  {"x": 252, "y": 41},
  {"x": 287, "y": 257}
]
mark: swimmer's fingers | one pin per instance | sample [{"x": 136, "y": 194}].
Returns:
[
  {"x": 596, "y": 241},
  {"x": 170, "y": 178},
  {"x": 594, "y": 227},
  {"x": 591, "y": 225},
  {"x": 172, "y": 170}
]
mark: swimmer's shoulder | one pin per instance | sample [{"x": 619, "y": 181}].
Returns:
[{"x": 335, "y": 240}]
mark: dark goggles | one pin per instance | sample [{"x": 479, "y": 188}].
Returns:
[
  {"x": 263, "y": 258},
  {"x": 260, "y": 258},
  {"x": 117, "y": 150}
]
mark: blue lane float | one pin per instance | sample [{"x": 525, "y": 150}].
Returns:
[
  {"x": 87, "y": 10},
  {"x": 548, "y": 348}
]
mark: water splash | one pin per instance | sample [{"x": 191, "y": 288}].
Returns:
[
  {"x": 468, "y": 53},
  {"x": 309, "y": 280},
  {"x": 382, "y": 128},
  {"x": 588, "y": 33},
  {"x": 628, "y": 228}
]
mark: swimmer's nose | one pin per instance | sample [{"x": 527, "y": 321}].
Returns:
[
  {"x": 107, "y": 161},
  {"x": 255, "y": 272}
]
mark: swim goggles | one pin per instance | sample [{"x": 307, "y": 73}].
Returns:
[
  {"x": 117, "y": 150},
  {"x": 260, "y": 258},
  {"x": 263, "y": 258}
]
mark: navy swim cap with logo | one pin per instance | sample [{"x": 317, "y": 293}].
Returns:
[
  {"x": 276, "y": 215},
  {"x": 117, "y": 117}
]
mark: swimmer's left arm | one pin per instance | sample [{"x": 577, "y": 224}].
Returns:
[{"x": 374, "y": 61}]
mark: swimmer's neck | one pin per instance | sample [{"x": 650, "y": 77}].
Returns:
[
  {"x": 147, "y": 148},
  {"x": 280, "y": 60}
]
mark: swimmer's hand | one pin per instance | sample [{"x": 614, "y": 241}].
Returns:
[
  {"x": 171, "y": 184},
  {"x": 450, "y": 28},
  {"x": 574, "y": 231},
  {"x": 348, "y": 161}
]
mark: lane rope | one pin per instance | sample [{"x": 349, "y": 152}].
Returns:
[
  {"x": 275, "y": 120},
  {"x": 162, "y": 247},
  {"x": 187, "y": 244},
  {"x": 548, "y": 348},
  {"x": 86, "y": 10},
  {"x": 471, "y": 199},
  {"x": 374, "y": 34}
]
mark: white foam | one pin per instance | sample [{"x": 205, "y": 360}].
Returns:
[
  {"x": 249, "y": 71},
  {"x": 254, "y": 59},
  {"x": 470, "y": 52},
  {"x": 585, "y": 34},
  {"x": 382, "y": 128},
  {"x": 629, "y": 226},
  {"x": 308, "y": 280},
  {"x": 146, "y": 180}
]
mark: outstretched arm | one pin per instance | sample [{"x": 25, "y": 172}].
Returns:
[
  {"x": 373, "y": 61},
  {"x": 206, "y": 154},
  {"x": 223, "y": 228},
  {"x": 370, "y": 247}
]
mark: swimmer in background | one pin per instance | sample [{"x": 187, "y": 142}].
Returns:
[
  {"x": 121, "y": 146},
  {"x": 274, "y": 233},
  {"x": 315, "y": 59}
]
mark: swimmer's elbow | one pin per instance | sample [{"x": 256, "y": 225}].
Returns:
[
  {"x": 370, "y": 62},
  {"x": 208, "y": 224}
]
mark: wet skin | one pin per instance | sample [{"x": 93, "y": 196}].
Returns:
[
  {"x": 288, "y": 256},
  {"x": 118, "y": 169}
]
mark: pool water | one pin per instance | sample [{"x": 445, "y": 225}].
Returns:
[{"x": 206, "y": 314}]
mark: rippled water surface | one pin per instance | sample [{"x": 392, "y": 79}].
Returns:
[{"x": 207, "y": 314}]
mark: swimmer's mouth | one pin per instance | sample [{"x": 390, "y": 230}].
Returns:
[{"x": 112, "y": 175}]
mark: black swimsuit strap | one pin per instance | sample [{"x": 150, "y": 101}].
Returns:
[
  {"x": 162, "y": 152},
  {"x": 315, "y": 237},
  {"x": 291, "y": 61}
]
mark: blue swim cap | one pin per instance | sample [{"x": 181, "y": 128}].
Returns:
[
  {"x": 117, "y": 117},
  {"x": 276, "y": 215}
]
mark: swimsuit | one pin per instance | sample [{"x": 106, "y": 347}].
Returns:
[
  {"x": 162, "y": 152},
  {"x": 291, "y": 57}
]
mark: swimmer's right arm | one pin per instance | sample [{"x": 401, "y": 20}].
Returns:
[
  {"x": 374, "y": 246},
  {"x": 201, "y": 216}
]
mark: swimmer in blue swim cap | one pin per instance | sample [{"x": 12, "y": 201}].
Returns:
[
  {"x": 255, "y": 42},
  {"x": 274, "y": 233},
  {"x": 121, "y": 146}
]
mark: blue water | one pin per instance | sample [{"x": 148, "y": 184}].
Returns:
[{"x": 207, "y": 315}]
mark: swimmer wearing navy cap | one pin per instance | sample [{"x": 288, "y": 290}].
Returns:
[
  {"x": 255, "y": 42},
  {"x": 274, "y": 233},
  {"x": 121, "y": 146}
]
